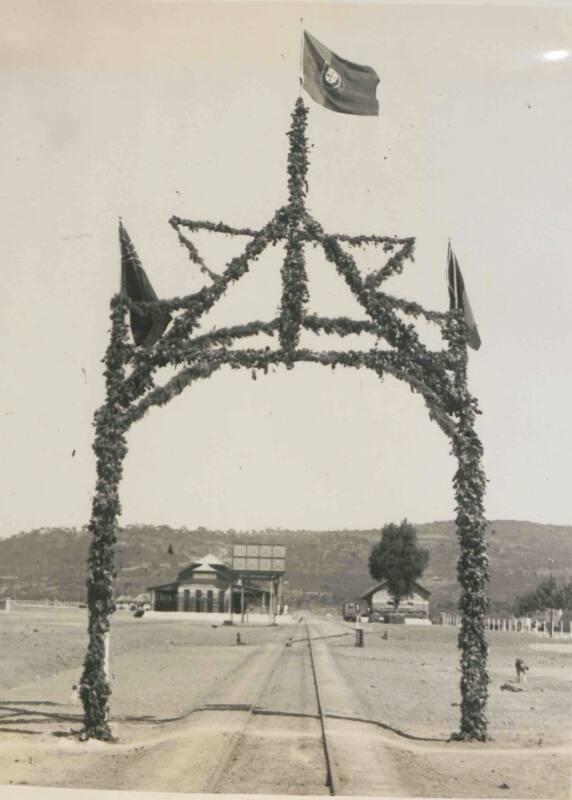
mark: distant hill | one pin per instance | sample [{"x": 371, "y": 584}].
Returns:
[{"x": 322, "y": 567}]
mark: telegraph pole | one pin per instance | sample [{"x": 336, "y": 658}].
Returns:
[
  {"x": 242, "y": 600},
  {"x": 550, "y": 563}
]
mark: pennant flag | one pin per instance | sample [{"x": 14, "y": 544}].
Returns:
[
  {"x": 458, "y": 298},
  {"x": 147, "y": 325},
  {"x": 335, "y": 83}
]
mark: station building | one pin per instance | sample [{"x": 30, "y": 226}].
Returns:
[
  {"x": 207, "y": 586},
  {"x": 416, "y": 604}
]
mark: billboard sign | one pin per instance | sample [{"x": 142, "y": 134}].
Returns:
[{"x": 266, "y": 559}]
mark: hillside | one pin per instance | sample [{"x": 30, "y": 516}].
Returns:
[{"x": 322, "y": 567}]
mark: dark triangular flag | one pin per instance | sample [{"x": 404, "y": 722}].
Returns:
[
  {"x": 147, "y": 325},
  {"x": 458, "y": 299}
]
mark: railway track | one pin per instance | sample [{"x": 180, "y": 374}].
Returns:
[
  {"x": 284, "y": 721},
  {"x": 332, "y": 780},
  {"x": 305, "y": 731},
  {"x": 241, "y": 744}
]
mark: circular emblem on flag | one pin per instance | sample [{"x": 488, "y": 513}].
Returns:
[{"x": 331, "y": 78}]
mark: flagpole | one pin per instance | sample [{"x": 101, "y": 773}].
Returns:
[
  {"x": 301, "y": 65},
  {"x": 122, "y": 286},
  {"x": 453, "y": 261}
]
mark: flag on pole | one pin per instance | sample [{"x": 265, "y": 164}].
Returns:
[
  {"x": 458, "y": 298},
  {"x": 335, "y": 83},
  {"x": 147, "y": 325}
]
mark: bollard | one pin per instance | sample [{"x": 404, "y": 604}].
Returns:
[
  {"x": 238, "y": 640},
  {"x": 359, "y": 637}
]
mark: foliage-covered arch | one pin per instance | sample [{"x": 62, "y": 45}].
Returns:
[{"x": 440, "y": 377}]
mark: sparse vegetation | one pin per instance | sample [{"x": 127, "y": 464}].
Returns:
[{"x": 323, "y": 567}]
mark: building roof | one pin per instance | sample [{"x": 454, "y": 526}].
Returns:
[
  {"x": 208, "y": 563},
  {"x": 211, "y": 560},
  {"x": 166, "y": 586},
  {"x": 425, "y": 593}
]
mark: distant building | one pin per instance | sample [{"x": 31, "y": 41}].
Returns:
[
  {"x": 416, "y": 604},
  {"x": 206, "y": 586},
  {"x": 124, "y": 601}
]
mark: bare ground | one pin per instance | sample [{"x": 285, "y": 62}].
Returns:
[{"x": 163, "y": 670}]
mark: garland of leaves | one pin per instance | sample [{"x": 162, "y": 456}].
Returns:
[
  {"x": 439, "y": 377},
  {"x": 110, "y": 447},
  {"x": 293, "y": 273},
  {"x": 472, "y": 567}
]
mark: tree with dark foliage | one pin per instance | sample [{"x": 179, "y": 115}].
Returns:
[{"x": 398, "y": 559}]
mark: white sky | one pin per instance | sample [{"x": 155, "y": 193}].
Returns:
[{"x": 146, "y": 109}]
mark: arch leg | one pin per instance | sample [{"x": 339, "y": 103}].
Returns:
[{"x": 110, "y": 448}]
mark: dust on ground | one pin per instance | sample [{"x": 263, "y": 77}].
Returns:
[
  {"x": 411, "y": 682},
  {"x": 161, "y": 670}
]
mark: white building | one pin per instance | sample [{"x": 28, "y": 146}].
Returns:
[
  {"x": 416, "y": 604},
  {"x": 208, "y": 586}
]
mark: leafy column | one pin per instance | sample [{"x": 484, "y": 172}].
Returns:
[
  {"x": 110, "y": 448},
  {"x": 294, "y": 278},
  {"x": 472, "y": 567}
]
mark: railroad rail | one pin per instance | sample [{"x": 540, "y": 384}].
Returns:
[
  {"x": 332, "y": 780},
  {"x": 254, "y": 708}
]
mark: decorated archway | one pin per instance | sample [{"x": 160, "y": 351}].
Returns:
[{"x": 440, "y": 377}]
